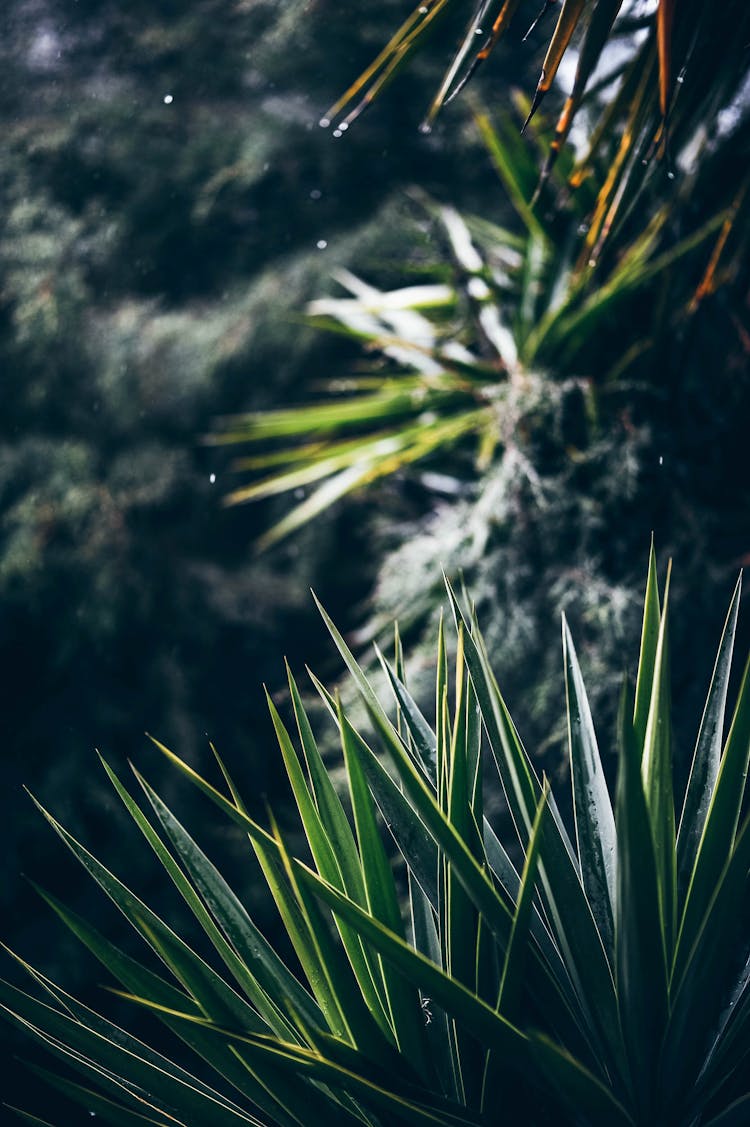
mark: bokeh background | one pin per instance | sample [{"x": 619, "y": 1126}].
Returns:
[{"x": 168, "y": 206}]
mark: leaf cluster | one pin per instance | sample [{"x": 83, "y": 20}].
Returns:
[
  {"x": 601, "y": 976},
  {"x": 474, "y": 349}
]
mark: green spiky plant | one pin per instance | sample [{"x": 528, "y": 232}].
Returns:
[
  {"x": 598, "y": 225},
  {"x": 599, "y": 976},
  {"x": 504, "y": 323},
  {"x": 673, "y": 67}
]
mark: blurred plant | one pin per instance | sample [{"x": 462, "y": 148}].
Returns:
[
  {"x": 480, "y": 351},
  {"x": 602, "y": 979},
  {"x": 664, "y": 69}
]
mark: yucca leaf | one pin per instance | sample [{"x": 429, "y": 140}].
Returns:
[
  {"x": 647, "y": 658},
  {"x": 707, "y": 756},
  {"x": 323, "y": 1070},
  {"x": 28, "y": 1117},
  {"x": 438, "y": 1031},
  {"x": 206, "y": 986},
  {"x": 656, "y": 769},
  {"x": 461, "y": 921},
  {"x": 641, "y": 957},
  {"x": 518, "y": 777},
  {"x": 261, "y": 1001},
  {"x": 664, "y": 21},
  {"x": 400, "y": 815},
  {"x": 572, "y": 1080},
  {"x": 390, "y": 60},
  {"x": 138, "y": 980},
  {"x": 445, "y": 837},
  {"x": 442, "y": 718},
  {"x": 483, "y": 894},
  {"x": 567, "y": 21},
  {"x": 345, "y": 1057},
  {"x": 95, "y": 1103},
  {"x": 318, "y": 418},
  {"x": 299, "y": 1102},
  {"x": 573, "y": 925},
  {"x": 297, "y": 926},
  {"x": 425, "y": 742},
  {"x": 712, "y": 278},
  {"x": 661, "y": 1040},
  {"x": 382, "y": 902},
  {"x": 368, "y": 976},
  {"x": 507, "y": 169},
  {"x": 595, "y": 824},
  {"x": 613, "y": 113},
  {"x": 98, "y": 1047},
  {"x": 128, "y": 971},
  {"x": 703, "y": 985},
  {"x": 535, "y": 262},
  {"x": 327, "y": 800},
  {"x": 736, "y": 1115},
  {"x": 350, "y": 982},
  {"x": 585, "y": 1096},
  {"x": 460, "y": 1002},
  {"x": 269, "y": 971},
  {"x": 492, "y": 330},
  {"x": 565, "y": 329},
  {"x": 374, "y": 465},
  {"x": 631, "y": 143},
  {"x": 330, "y": 462},
  {"x": 225, "y": 1063},
  {"x": 730, "y": 1041},
  {"x": 514, "y": 966},
  {"x": 598, "y": 30},
  {"x": 468, "y": 45},
  {"x": 390, "y": 48},
  {"x": 509, "y": 880},
  {"x": 423, "y": 800},
  {"x": 474, "y": 764}
]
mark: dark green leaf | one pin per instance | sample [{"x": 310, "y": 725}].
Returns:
[
  {"x": 639, "y": 935},
  {"x": 594, "y": 820},
  {"x": 705, "y": 768}
]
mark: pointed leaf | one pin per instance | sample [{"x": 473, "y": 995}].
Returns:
[
  {"x": 721, "y": 823},
  {"x": 98, "y": 1045},
  {"x": 253, "y": 948},
  {"x": 701, "y": 990},
  {"x": 511, "y": 983},
  {"x": 656, "y": 769},
  {"x": 639, "y": 935},
  {"x": 649, "y": 639}
]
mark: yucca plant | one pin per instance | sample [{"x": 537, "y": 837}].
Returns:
[
  {"x": 507, "y": 321},
  {"x": 664, "y": 69},
  {"x": 599, "y": 975}
]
